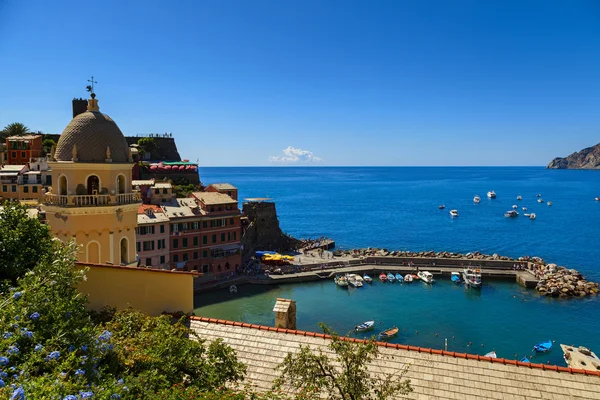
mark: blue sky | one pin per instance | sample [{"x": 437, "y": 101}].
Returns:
[{"x": 316, "y": 82}]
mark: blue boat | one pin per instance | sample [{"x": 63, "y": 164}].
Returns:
[
  {"x": 525, "y": 359},
  {"x": 367, "y": 278},
  {"x": 391, "y": 277},
  {"x": 365, "y": 326},
  {"x": 399, "y": 278},
  {"x": 455, "y": 276},
  {"x": 543, "y": 347}
]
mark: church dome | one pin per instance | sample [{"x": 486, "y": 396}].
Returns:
[{"x": 91, "y": 133}]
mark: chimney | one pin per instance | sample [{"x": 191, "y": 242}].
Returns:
[
  {"x": 285, "y": 313},
  {"x": 79, "y": 106}
]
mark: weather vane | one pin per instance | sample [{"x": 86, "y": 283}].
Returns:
[{"x": 90, "y": 88}]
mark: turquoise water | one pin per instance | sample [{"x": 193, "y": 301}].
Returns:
[{"x": 396, "y": 208}]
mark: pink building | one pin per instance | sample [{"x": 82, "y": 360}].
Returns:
[{"x": 152, "y": 237}]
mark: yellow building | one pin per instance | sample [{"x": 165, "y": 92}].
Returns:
[{"x": 91, "y": 199}]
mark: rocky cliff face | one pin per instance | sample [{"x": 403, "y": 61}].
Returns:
[{"x": 588, "y": 158}]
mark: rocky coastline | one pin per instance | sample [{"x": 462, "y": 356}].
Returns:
[
  {"x": 372, "y": 251},
  {"x": 559, "y": 281}
]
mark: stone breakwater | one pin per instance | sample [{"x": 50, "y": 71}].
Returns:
[
  {"x": 432, "y": 254},
  {"x": 558, "y": 281}
]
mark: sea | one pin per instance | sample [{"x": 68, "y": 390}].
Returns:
[{"x": 396, "y": 208}]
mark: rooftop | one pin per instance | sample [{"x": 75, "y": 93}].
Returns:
[
  {"x": 140, "y": 182},
  {"x": 433, "y": 373},
  {"x": 162, "y": 185},
  {"x": 24, "y": 137},
  {"x": 213, "y": 198},
  {"x": 223, "y": 186},
  {"x": 181, "y": 208}
]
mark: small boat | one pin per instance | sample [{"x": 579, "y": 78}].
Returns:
[
  {"x": 597, "y": 198},
  {"x": 532, "y": 216},
  {"x": 388, "y": 333},
  {"x": 455, "y": 276},
  {"x": 399, "y": 277},
  {"x": 524, "y": 208},
  {"x": 353, "y": 280},
  {"x": 367, "y": 278},
  {"x": 341, "y": 281},
  {"x": 540, "y": 200},
  {"x": 391, "y": 277},
  {"x": 358, "y": 277},
  {"x": 539, "y": 195},
  {"x": 382, "y": 277},
  {"x": 426, "y": 276},
  {"x": 441, "y": 206},
  {"x": 491, "y": 194},
  {"x": 519, "y": 198},
  {"x": 476, "y": 199},
  {"x": 454, "y": 213},
  {"x": 472, "y": 277},
  {"x": 514, "y": 206},
  {"x": 365, "y": 326},
  {"x": 549, "y": 203},
  {"x": 491, "y": 354},
  {"x": 408, "y": 278},
  {"x": 525, "y": 359},
  {"x": 511, "y": 214},
  {"x": 543, "y": 347},
  {"x": 232, "y": 289}
]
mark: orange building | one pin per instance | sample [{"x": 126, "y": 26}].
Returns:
[
  {"x": 224, "y": 188},
  {"x": 21, "y": 149}
]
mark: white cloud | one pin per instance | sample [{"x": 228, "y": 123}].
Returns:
[{"x": 294, "y": 155}]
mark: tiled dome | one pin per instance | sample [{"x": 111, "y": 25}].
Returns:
[{"x": 92, "y": 132}]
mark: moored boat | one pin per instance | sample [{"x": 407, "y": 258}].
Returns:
[
  {"x": 476, "y": 199},
  {"x": 399, "y": 277},
  {"x": 365, "y": 326},
  {"x": 514, "y": 206},
  {"x": 540, "y": 200},
  {"x": 511, "y": 214},
  {"x": 597, "y": 199},
  {"x": 408, "y": 278},
  {"x": 543, "y": 347},
  {"x": 491, "y": 194},
  {"x": 455, "y": 277},
  {"x": 524, "y": 359},
  {"x": 367, "y": 278},
  {"x": 532, "y": 216},
  {"x": 425, "y": 276},
  {"x": 549, "y": 203},
  {"x": 491, "y": 354},
  {"x": 354, "y": 280},
  {"x": 391, "y": 277},
  {"x": 472, "y": 277},
  {"x": 382, "y": 277},
  {"x": 388, "y": 333},
  {"x": 454, "y": 213},
  {"x": 519, "y": 198},
  {"x": 340, "y": 281},
  {"x": 441, "y": 206},
  {"x": 524, "y": 208}
]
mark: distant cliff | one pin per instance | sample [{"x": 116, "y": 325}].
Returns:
[{"x": 588, "y": 158}]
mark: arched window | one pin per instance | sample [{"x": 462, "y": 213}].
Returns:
[
  {"x": 93, "y": 252},
  {"x": 124, "y": 250},
  {"x": 120, "y": 184},
  {"x": 227, "y": 265},
  {"x": 93, "y": 184},
  {"x": 62, "y": 185}
]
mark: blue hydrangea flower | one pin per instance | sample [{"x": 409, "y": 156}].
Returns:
[
  {"x": 125, "y": 388},
  {"x": 28, "y": 334},
  {"x": 3, "y": 374},
  {"x": 15, "y": 377},
  {"x": 3, "y": 361},
  {"x": 2, "y": 384},
  {"x": 13, "y": 350},
  {"x": 86, "y": 395},
  {"x": 71, "y": 348},
  {"x": 12, "y": 369},
  {"x": 35, "y": 316},
  {"x": 18, "y": 394},
  {"x": 80, "y": 372},
  {"x": 38, "y": 347},
  {"x": 105, "y": 336},
  {"x": 7, "y": 335},
  {"x": 53, "y": 355},
  {"x": 17, "y": 295},
  {"x": 115, "y": 396},
  {"x": 120, "y": 381},
  {"x": 70, "y": 397},
  {"x": 17, "y": 317},
  {"x": 84, "y": 348}
]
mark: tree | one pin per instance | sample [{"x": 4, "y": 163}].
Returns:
[
  {"x": 14, "y": 129},
  {"x": 147, "y": 145},
  {"x": 311, "y": 374},
  {"x": 47, "y": 145},
  {"x": 24, "y": 241}
]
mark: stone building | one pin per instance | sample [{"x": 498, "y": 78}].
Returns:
[{"x": 92, "y": 200}]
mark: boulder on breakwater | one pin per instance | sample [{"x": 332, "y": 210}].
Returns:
[
  {"x": 559, "y": 281},
  {"x": 373, "y": 251}
]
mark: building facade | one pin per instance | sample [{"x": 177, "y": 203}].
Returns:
[
  {"x": 21, "y": 149},
  {"x": 92, "y": 200},
  {"x": 152, "y": 237}
]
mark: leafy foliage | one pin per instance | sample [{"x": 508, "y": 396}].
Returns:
[
  {"x": 149, "y": 146},
  {"x": 47, "y": 145},
  {"x": 23, "y": 241},
  {"x": 14, "y": 129},
  {"x": 311, "y": 374}
]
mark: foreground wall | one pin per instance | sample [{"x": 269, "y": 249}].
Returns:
[{"x": 149, "y": 290}]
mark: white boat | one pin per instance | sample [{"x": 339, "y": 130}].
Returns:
[
  {"x": 454, "y": 213},
  {"x": 472, "y": 277},
  {"x": 519, "y": 198},
  {"x": 341, "y": 281},
  {"x": 408, "y": 278},
  {"x": 367, "y": 278},
  {"x": 549, "y": 203},
  {"x": 425, "y": 276},
  {"x": 365, "y": 326},
  {"x": 597, "y": 199},
  {"x": 524, "y": 208},
  {"x": 514, "y": 206},
  {"x": 532, "y": 216},
  {"x": 491, "y": 194},
  {"x": 540, "y": 201},
  {"x": 491, "y": 354},
  {"x": 511, "y": 214},
  {"x": 476, "y": 199},
  {"x": 353, "y": 280},
  {"x": 539, "y": 195}
]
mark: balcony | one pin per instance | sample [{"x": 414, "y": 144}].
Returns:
[{"x": 91, "y": 200}]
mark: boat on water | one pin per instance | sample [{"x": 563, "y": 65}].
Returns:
[
  {"x": 454, "y": 213},
  {"x": 365, "y": 326},
  {"x": 382, "y": 277},
  {"x": 476, "y": 199},
  {"x": 514, "y": 206},
  {"x": 455, "y": 277},
  {"x": 549, "y": 203},
  {"x": 441, "y": 206},
  {"x": 524, "y": 208},
  {"x": 391, "y": 277},
  {"x": 399, "y": 277},
  {"x": 367, "y": 278},
  {"x": 597, "y": 199},
  {"x": 519, "y": 198},
  {"x": 491, "y": 354},
  {"x": 532, "y": 216},
  {"x": 408, "y": 278},
  {"x": 543, "y": 347},
  {"x": 540, "y": 200},
  {"x": 524, "y": 359},
  {"x": 388, "y": 333},
  {"x": 511, "y": 214},
  {"x": 472, "y": 277},
  {"x": 425, "y": 276},
  {"x": 539, "y": 195},
  {"x": 354, "y": 280},
  {"x": 341, "y": 281},
  {"x": 491, "y": 194}
]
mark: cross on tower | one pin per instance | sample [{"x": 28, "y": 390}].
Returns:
[{"x": 90, "y": 88}]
